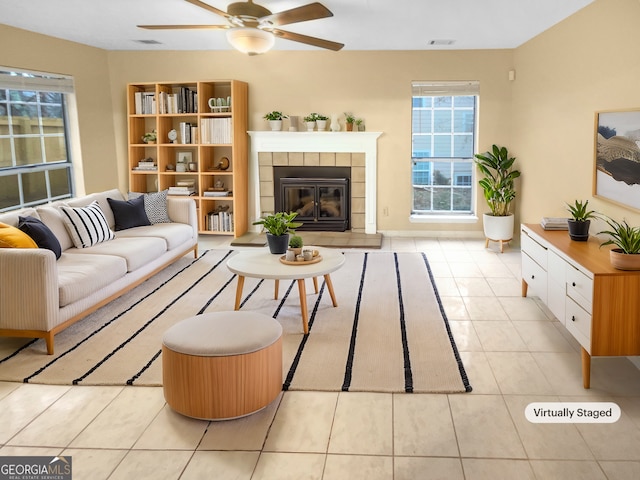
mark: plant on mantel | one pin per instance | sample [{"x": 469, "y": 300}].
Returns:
[{"x": 275, "y": 115}]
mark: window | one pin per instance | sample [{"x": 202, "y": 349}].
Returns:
[
  {"x": 443, "y": 125},
  {"x": 35, "y": 164}
]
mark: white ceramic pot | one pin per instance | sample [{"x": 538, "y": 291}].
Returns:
[
  {"x": 498, "y": 228},
  {"x": 322, "y": 125},
  {"x": 310, "y": 126},
  {"x": 276, "y": 125}
]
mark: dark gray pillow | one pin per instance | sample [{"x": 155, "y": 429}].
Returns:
[
  {"x": 128, "y": 213},
  {"x": 40, "y": 233}
]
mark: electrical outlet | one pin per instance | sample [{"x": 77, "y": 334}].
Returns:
[{"x": 385, "y": 211}]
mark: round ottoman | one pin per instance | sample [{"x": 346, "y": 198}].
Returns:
[{"x": 222, "y": 365}]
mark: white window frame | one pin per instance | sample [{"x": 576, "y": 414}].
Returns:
[
  {"x": 446, "y": 89},
  {"x": 18, "y": 79}
]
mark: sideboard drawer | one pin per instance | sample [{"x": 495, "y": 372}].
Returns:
[
  {"x": 532, "y": 248},
  {"x": 579, "y": 287},
  {"x": 535, "y": 277},
  {"x": 578, "y": 322}
]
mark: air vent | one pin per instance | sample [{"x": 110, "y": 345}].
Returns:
[
  {"x": 148, "y": 42},
  {"x": 441, "y": 42}
]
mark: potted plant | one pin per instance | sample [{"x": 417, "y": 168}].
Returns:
[
  {"x": 359, "y": 124},
  {"x": 150, "y": 137},
  {"x": 278, "y": 226},
  {"x": 296, "y": 244},
  {"x": 275, "y": 120},
  {"x": 580, "y": 220},
  {"x": 310, "y": 121},
  {"x": 349, "y": 119},
  {"x": 499, "y": 191},
  {"x": 626, "y": 255},
  {"x": 321, "y": 122}
]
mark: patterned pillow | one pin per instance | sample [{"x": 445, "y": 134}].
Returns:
[
  {"x": 86, "y": 225},
  {"x": 155, "y": 204}
]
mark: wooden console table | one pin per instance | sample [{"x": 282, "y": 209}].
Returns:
[{"x": 598, "y": 304}]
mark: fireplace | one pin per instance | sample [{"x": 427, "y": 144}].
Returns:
[{"x": 320, "y": 196}]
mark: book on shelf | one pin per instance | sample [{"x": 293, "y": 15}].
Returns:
[
  {"x": 554, "y": 223},
  {"x": 216, "y": 130},
  {"x": 219, "y": 222},
  {"x": 209, "y": 193},
  {"x": 152, "y": 168},
  {"x": 145, "y": 103}
]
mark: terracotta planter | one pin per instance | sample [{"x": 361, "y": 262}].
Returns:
[
  {"x": 624, "y": 261},
  {"x": 349, "y": 127}
]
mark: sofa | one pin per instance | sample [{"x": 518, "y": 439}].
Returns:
[{"x": 71, "y": 263}]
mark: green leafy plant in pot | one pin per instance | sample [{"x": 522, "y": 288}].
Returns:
[
  {"x": 579, "y": 222},
  {"x": 296, "y": 244},
  {"x": 626, "y": 255},
  {"x": 499, "y": 191},
  {"x": 278, "y": 227}
]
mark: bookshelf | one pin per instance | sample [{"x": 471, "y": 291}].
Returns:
[{"x": 207, "y": 158}]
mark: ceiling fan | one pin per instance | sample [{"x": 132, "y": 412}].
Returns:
[{"x": 252, "y": 28}]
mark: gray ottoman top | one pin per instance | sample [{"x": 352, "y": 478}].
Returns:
[{"x": 222, "y": 334}]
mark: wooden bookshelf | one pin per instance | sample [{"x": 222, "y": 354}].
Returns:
[{"x": 214, "y": 138}]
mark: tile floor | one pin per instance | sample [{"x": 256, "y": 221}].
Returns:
[{"x": 514, "y": 353}]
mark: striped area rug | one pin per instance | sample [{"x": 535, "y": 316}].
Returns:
[{"x": 389, "y": 332}]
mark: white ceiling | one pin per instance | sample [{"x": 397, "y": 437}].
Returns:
[{"x": 359, "y": 24}]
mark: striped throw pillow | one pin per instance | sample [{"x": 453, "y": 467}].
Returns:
[{"x": 86, "y": 225}]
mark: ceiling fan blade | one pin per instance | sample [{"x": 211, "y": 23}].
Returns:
[
  {"x": 185, "y": 27},
  {"x": 298, "y": 37},
  {"x": 206, "y": 6},
  {"x": 313, "y": 11}
]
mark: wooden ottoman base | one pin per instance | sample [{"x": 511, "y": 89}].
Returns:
[{"x": 216, "y": 386}]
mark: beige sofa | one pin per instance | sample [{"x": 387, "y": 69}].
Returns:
[{"x": 40, "y": 296}]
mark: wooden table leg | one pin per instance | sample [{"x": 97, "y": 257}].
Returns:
[
  {"x": 276, "y": 288},
  {"x": 586, "y": 368},
  {"x": 327, "y": 280},
  {"x": 315, "y": 283},
  {"x": 303, "y": 305},
  {"x": 239, "y": 292}
]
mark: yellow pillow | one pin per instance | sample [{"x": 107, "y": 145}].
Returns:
[{"x": 12, "y": 237}]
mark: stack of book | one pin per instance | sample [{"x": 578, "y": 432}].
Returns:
[
  {"x": 183, "y": 187},
  {"x": 145, "y": 103},
  {"x": 551, "y": 223},
  {"x": 188, "y": 133},
  {"x": 216, "y": 130},
  {"x": 219, "y": 222},
  {"x": 147, "y": 165}
]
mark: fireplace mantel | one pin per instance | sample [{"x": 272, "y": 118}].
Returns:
[{"x": 348, "y": 142}]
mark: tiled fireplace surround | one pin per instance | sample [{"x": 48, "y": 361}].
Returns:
[{"x": 313, "y": 149}]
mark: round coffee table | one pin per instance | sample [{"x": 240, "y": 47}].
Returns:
[{"x": 263, "y": 264}]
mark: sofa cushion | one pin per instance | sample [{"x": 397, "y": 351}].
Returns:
[
  {"x": 52, "y": 218},
  {"x": 174, "y": 234},
  {"x": 128, "y": 213},
  {"x": 155, "y": 204},
  {"x": 81, "y": 275},
  {"x": 101, "y": 198},
  {"x": 136, "y": 251},
  {"x": 13, "y": 237},
  {"x": 86, "y": 225},
  {"x": 11, "y": 218},
  {"x": 41, "y": 234}
]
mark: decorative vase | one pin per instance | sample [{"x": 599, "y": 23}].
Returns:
[
  {"x": 579, "y": 231},
  {"x": 310, "y": 126},
  {"x": 624, "y": 261},
  {"x": 276, "y": 125},
  {"x": 278, "y": 244},
  {"x": 322, "y": 125},
  {"x": 335, "y": 124}
]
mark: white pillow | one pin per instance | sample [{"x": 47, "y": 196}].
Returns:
[{"x": 86, "y": 225}]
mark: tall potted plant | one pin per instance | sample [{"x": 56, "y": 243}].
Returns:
[
  {"x": 499, "y": 191},
  {"x": 278, "y": 226}
]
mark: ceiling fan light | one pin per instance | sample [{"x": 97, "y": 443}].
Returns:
[{"x": 251, "y": 41}]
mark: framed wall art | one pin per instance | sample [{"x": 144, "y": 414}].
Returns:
[{"x": 617, "y": 157}]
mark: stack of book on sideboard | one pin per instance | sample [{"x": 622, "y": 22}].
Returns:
[{"x": 551, "y": 223}]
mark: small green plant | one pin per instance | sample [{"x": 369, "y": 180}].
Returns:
[
  {"x": 319, "y": 116},
  {"x": 358, "y": 121},
  {"x": 579, "y": 211},
  {"x": 275, "y": 115},
  {"x": 349, "y": 118},
  {"x": 151, "y": 136},
  {"x": 296, "y": 241},
  {"x": 498, "y": 182},
  {"x": 312, "y": 117},
  {"x": 279, "y": 223},
  {"x": 623, "y": 236}
]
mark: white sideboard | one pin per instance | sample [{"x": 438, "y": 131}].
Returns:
[{"x": 598, "y": 304}]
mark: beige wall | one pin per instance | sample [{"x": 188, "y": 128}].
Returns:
[
  {"x": 588, "y": 63},
  {"x": 89, "y": 68},
  {"x": 375, "y": 86}
]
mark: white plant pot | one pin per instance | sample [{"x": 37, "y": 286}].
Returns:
[
  {"x": 276, "y": 125},
  {"x": 310, "y": 126},
  {"x": 498, "y": 228},
  {"x": 322, "y": 125}
]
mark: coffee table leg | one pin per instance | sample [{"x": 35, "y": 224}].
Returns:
[
  {"x": 239, "y": 292},
  {"x": 276, "y": 288},
  {"x": 327, "y": 280},
  {"x": 315, "y": 283},
  {"x": 303, "y": 305}
]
